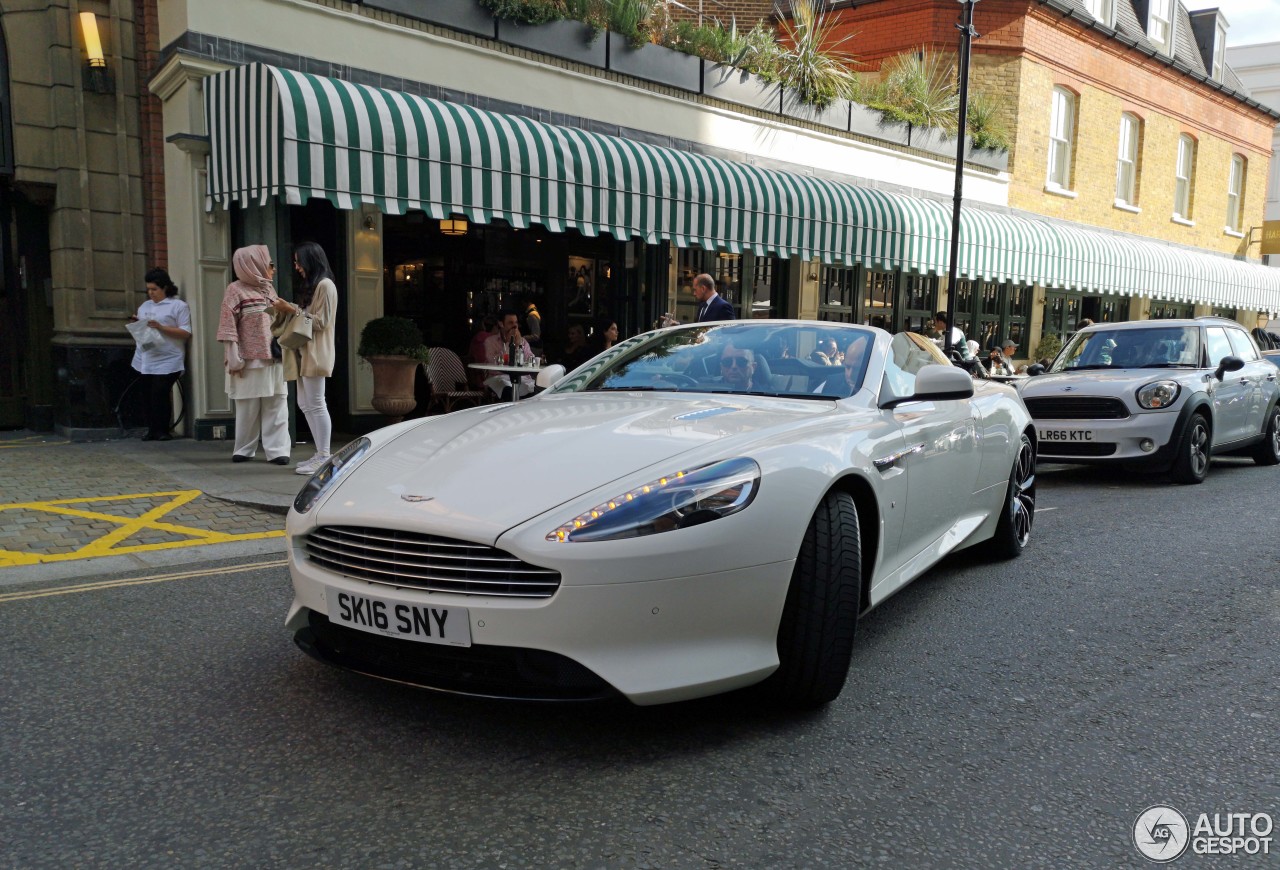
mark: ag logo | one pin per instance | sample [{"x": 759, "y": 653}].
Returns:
[{"x": 1161, "y": 833}]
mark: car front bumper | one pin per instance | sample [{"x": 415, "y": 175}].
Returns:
[
  {"x": 652, "y": 641},
  {"x": 1106, "y": 441}
]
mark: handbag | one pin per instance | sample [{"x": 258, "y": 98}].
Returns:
[
  {"x": 296, "y": 332},
  {"x": 147, "y": 337}
]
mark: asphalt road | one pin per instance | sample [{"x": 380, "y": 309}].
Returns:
[{"x": 1012, "y": 715}]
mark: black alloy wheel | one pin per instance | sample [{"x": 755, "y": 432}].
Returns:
[
  {"x": 1013, "y": 532},
  {"x": 1191, "y": 463},
  {"x": 1267, "y": 451}
]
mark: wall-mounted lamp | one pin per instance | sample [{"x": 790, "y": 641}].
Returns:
[
  {"x": 813, "y": 276},
  {"x": 454, "y": 227},
  {"x": 97, "y": 77},
  {"x": 369, "y": 223}
]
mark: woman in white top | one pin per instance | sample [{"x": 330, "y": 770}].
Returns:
[{"x": 159, "y": 367}]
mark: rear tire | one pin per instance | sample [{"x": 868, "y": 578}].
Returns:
[
  {"x": 1267, "y": 452},
  {"x": 815, "y": 636},
  {"x": 1191, "y": 463},
  {"x": 1013, "y": 532}
]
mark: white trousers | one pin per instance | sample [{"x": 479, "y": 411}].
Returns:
[
  {"x": 312, "y": 405},
  {"x": 266, "y": 419}
]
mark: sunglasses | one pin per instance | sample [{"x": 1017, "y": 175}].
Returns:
[{"x": 735, "y": 362}]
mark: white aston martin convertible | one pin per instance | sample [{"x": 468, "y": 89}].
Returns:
[{"x": 698, "y": 509}]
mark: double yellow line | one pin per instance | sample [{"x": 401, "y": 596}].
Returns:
[{"x": 27, "y": 595}]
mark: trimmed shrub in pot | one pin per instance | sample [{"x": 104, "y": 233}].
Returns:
[{"x": 394, "y": 348}]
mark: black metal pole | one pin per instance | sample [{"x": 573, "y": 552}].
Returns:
[{"x": 966, "y": 40}]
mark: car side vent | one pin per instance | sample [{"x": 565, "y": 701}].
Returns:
[
  {"x": 394, "y": 557},
  {"x": 1076, "y": 408}
]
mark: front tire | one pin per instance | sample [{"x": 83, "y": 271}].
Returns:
[
  {"x": 1013, "y": 532},
  {"x": 1191, "y": 464},
  {"x": 815, "y": 636},
  {"x": 1267, "y": 452}
]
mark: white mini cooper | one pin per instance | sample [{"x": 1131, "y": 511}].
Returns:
[{"x": 1161, "y": 394}]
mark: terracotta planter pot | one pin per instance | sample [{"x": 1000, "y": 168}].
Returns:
[{"x": 393, "y": 378}]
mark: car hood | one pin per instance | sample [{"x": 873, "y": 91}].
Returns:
[
  {"x": 475, "y": 474},
  {"x": 1100, "y": 382}
]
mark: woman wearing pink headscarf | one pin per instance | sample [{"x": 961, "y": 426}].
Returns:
[{"x": 255, "y": 377}]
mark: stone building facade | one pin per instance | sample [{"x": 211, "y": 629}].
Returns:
[{"x": 73, "y": 202}]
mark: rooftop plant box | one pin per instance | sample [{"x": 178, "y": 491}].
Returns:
[
  {"x": 465, "y": 15},
  {"x": 570, "y": 40},
  {"x": 733, "y": 85},
  {"x": 656, "y": 63},
  {"x": 835, "y": 115},
  {"x": 871, "y": 123}
]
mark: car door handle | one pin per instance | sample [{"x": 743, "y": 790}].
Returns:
[{"x": 884, "y": 463}]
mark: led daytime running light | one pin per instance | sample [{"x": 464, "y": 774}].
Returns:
[{"x": 672, "y": 501}]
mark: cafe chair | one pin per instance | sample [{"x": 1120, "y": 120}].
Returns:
[{"x": 448, "y": 379}]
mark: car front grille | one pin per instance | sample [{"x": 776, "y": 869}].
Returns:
[
  {"x": 1076, "y": 408},
  {"x": 1057, "y": 448},
  {"x": 410, "y": 559}
]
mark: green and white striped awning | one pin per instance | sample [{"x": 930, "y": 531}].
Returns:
[{"x": 280, "y": 134}]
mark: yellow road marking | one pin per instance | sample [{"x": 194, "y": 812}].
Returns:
[
  {"x": 16, "y": 443},
  {"x": 106, "y": 545},
  {"x": 135, "y": 581}
]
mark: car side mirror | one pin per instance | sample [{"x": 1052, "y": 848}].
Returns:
[
  {"x": 1228, "y": 364},
  {"x": 937, "y": 383},
  {"x": 549, "y": 375}
]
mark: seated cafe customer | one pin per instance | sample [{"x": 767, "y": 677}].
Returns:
[{"x": 496, "y": 347}]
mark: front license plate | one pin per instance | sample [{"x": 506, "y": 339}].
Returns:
[
  {"x": 392, "y": 618},
  {"x": 1075, "y": 435}
]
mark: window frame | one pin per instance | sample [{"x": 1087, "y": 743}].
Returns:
[
  {"x": 1128, "y": 157},
  {"x": 1161, "y": 11},
  {"x": 1235, "y": 192},
  {"x": 1219, "y": 51},
  {"x": 1184, "y": 185},
  {"x": 1101, "y": 10},
  {"x": 1062, "y": 124}
]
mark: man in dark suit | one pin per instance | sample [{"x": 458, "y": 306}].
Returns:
[{"x": 711, "y": 305}]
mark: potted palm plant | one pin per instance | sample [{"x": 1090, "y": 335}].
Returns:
[{"x": 394, "y": 348}]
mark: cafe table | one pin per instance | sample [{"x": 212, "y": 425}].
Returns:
[{"x": 513, "y": 373}]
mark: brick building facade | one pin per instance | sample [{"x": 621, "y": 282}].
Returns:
[{"x": 1027, "y": 48}]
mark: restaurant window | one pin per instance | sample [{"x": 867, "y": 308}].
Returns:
[
  {"x": 1062, "y": 122},
  {"x": 1111, "y": 309},
  {"x": 838, "y": 294},
  {"x": 1127, "y": 160},
  {"x": 1172, "y": 310},
  {"x": 919, "y": 303},
  {"x": 727, "y": 270},
  {"x": 1229, "y": 313},
  {"x": 964, "y": 305},
  {"x": 768, "y": 288},
  {"x": 1184, "y": 179},
  {"x": 990, "y": 311},
  {"x": 1061, "y": 314},
  {"x": 1235, "y": 187},
  {"x": 878, "y": 292}
]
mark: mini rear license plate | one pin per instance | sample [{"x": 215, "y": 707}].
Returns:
[
  {"x": 386, "y": 616},
  {"x": 1081, "y": 436}
]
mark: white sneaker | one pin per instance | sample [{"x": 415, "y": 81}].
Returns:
[{"x": 312, "y": 465}]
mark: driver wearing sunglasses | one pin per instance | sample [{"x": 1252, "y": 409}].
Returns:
[{"x": 737, "y": 366}]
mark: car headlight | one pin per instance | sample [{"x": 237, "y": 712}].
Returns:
[
  {"x": 674, "y": 501},
  {"x": 1158, "y": 395},
  {"x": 327, "y": 474}
]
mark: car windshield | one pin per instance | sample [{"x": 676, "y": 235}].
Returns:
[
  {"x": 1150, "y": 347},
  {"x": 812, "y": 361}
]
